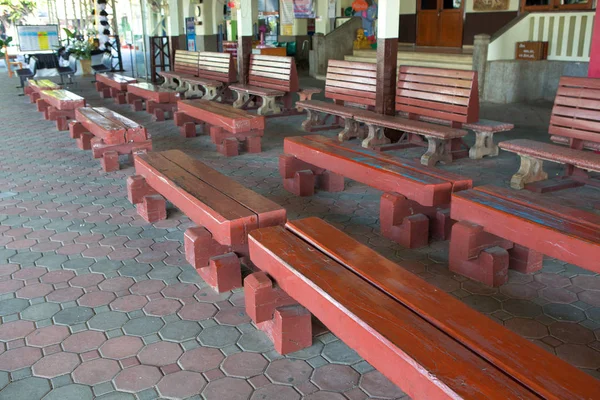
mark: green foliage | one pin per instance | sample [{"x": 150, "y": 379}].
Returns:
[
  {"x": 78, "y": 44},
  {"x": 4, "y": 43},
  {"x": 12, "y": 12}
]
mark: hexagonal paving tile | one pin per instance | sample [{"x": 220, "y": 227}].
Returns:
[
  {"x": 181, "y": 385},
  {"x": 337, "y": 378},
  {"x": 179, "y": 331},
  {"x": 219, "y": 336},
  {"x": 129, "y": 303},
  {"x": 107, "y": 321},
  {"x": 18, "y": 358},
  {"x": 529, "y": 328},
  {"x": 87, "y": 280},
  {"x": 180, "y": 290},
  {"x": 195, "y": 311},
  {"x": 96, "y": 371},
  {"x": 57, "y": 276},
  {"x": 289, "y": 371},
  {"x": 47, "y": 336},
  {"x": 143, "y": 326},
  {"x": 570, "y": 332},
  {"x": 147, "y": 287},
  {"x": 33, "y": 291},
  {"x": 162, "y": 307},
  {"x": 138, "y": 378},
  {"x": 121, "y": 347},
  {"x": 40, "y": 311},
  {"x": 26, "y": 389},
  {"x": 15, "y": 330},
  {"x": 160, "y": 354},
  {"x": 71, "y": 392},
  {"x": 227, "y": 388},
  {"x": 56, "y": 364},
  {"x": 73, "y": 315},
  {"x": 117, "y": 284},
  {"x": 96, "y": 299},
  {"x": 84, "y": 341},
  {"x": 232, "y": 316},
  {"x": 201, "y": 359},
  {"x": 65, "y": 295},
  {"x": 244, "y": 365},
  {"x": 578, "y": 355},
  {"x": 255, "y": 341},
  {"x": 339, "y": 352},
  {"x": 377, "y": 385}
]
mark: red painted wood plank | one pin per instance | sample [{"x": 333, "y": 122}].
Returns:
[
  {"x": 116, "y": 81},
  {"x": 412, "y": 126},
  {"x": 441, "y": 72},
  {"x": 423, "y": 189},
  {"x": 149, "y": 91},
  {"x": 412, "y": 353},
  {"x": 268, "y": 212},
  {"x": 226, "y": 219},
  {"x": 62, "y": 99},
  {"x": 224, "y": 115},
  {"x": 508, "y": 351},
  {"x": 561, "y": 239},
  {"x": 42, "y": 84},
  {"x": 109, "y": 131}
]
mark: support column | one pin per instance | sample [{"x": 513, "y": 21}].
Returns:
[
  {"x": 480, "y": 54},
  {"x": 244, "y": 23},
  {"x": 174, "y": 28},
  {"x": 387, "y": 55},
  {"x": 594, "y": 68}
]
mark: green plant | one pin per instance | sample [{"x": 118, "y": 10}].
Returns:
[
  {"x": 78, "y": 44},
  {"x": 3, "y": 44},
  {"x": 13, "y": 12}
]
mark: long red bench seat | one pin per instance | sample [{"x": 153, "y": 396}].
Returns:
[
  {"x": 35, "y": 86},
  {"x": 498, "y": 229},
  {"x": 158, "y": 99},
  {"x": 415, "y": 203},
  {"x": 59, "y": 105},
  {"x": 424, "y": 340},
  {"x": 113, "y": 85}
]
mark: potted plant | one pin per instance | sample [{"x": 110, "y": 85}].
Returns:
[
  {"x": 81, "y": 47},
  {"x": 4, "y": 43}
]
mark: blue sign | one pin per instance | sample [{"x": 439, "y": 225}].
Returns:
[{"x": 190, "y": 33}]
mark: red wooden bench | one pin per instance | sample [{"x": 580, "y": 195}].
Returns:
[
  {"x": 273, "y": 80},
  {"x": 158, "y": 99},
  {"x": 59, "y": 106},
  {"x": 113, "y": 85},
  {"x": 224, "y": 210},
  {"x": 575, "y": 121},
  {"x": 352, "y": 88},
  {"x": 415, "y": 203},
  {"x": 108, "y": 135},
  {"x": 185, "y": 66},
  {"x": 498, "y": 229},
  {"x": 35, "y": 86},
  {"x": 228, "y": 127},
  {"x": 424, "y": 340},
  {"x": 216, "y": 71}
]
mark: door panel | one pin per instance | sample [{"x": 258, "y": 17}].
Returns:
[
  {"x": 440, "y": 23},
  {"x": 427, "y": 28},
  {"x": 450, "y": 29}
]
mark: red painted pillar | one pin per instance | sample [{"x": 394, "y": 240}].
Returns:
[{"x": 594, "y": 69}]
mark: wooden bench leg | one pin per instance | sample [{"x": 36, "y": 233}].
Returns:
[
  {"x": 531, "y": 170},
  {"x": 375, "y": 137},
  {"x": 438, "y": 150},
  {"x": 241, "y": 99},
  {"x": 253, "y": 144},
  {"x": 84, "y": 141},
  {"x": 188, "y": 130},
  {"x": 524, "y": 260},
  {"x": 298, "y": 176},
  {"x": 136, "y": 102},
  {"x": 120, "y": 98},
  {"x": 330, "y": 182},
  {"x": 286, "y": 322},
  {"x": 110, "y": 161},
  {"x": 200, "y": 247},
  {"x": 158, "y": 114},
  {"x": 478, "y": 255},
  {"x": 400, "y": 223},
  {"x": 42, "y": 106},
  {"x": 229, "y": 147},
  {"x": 153, "y": 208},
  {"x": 62, "y": 123},
  {"x": 76, "y": 129},
  {"x": 269, "y": 106},
  {"x": 34, "y": 96},
  {"x": 312, "y": 119},
  {"x": 137, "y": 188},
  {"x": 105, "y": 93},
  {"x": 484, "y": 146}
]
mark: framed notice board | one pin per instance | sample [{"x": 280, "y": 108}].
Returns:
[{"x": 37, "y": 37}]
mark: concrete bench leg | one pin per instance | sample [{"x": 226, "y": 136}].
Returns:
[
  {"x": 42, "y": 106},
  {"x": 229, "y": 147},
  {"x": 375, "y": 137},
  {"x": 253, "y": 144},
  {"x": 286, "y": 322},
  {"x": 136, "y": 102},
  {"x": 312, "y": 119},
  {"x": 84, "y": 141},
  {"x": 62, "y": 123},
  {"x": 105, "y": 93},
  {"x": 193, "y": 90},
  {"x": 153, "y": 208},
  {"x": 438, "y": 150},
  {"x": 484, "y": 146},
  {"x": 351, "y": 130},
  {"x": 216, "y": 264},
  {"x": 158, "y": 114},
  {"x": 241, "y": 99},
  {"x": 478, "y": 255},
  {"x": 110, "y": 161},
  {"x": 402, "y": 223},
  {"x": 524, "y": 260},
  {"x": 531, "y": 170},
  {"x": 187, "y": 126},
  {"x": 269, "y": 106},
  {"x": 76, "y": 129},
  {"x": 138, "y": 188},
  {"x": 33, "y": 97},
  {"x": 210, "y": 92}
]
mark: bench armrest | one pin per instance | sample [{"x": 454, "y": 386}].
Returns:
[{"x": 306, "y": 93}]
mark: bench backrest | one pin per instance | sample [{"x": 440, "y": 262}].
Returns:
[
  {"x": 273, "y": 72},
  {"x": 351, "y": 82},
  {"x": 576, "y": 112},
  {"x": 186, "y": 62},
  {"x": 217, "y": 66},
  {"x": 448, "y": 94}
]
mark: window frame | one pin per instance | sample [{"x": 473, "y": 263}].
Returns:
[{"x": 554, "y": 5}]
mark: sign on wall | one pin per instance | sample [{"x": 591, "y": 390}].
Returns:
[
  {"x": 299, "y": 9},
  {"x": 490, "y": 5},
  {"x": 190, "y": 33}
]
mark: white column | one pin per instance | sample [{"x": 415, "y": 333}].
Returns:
[
  {"x": 175, "y": 18},
  {"x": 388, "y": 19},
  {"x": 244, "y": 18}
]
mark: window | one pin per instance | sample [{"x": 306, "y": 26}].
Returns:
[{"x": 555, "y": 5}]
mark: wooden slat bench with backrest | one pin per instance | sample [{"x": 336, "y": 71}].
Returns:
[
  {"x": 575, "y": 121},
  {"x": 274, "y": 80},
  {"x": 499, "y": 228},
  {"x": 158, "y": 99},
  {"x": 424, "y": 340},
  {"x": 35, "y": 86},
  {"x": 352, "y": 87},
  {"x": 216, "y": 71},
  {"x": 228, "y": 127},
  {"x": 113, "y": 85},
  {"x": 224, "y": 210},
  {"x": 108, "y": 135},
  {"x": 59, "y": 105},
  {"x": 415, "y": 203},
  {"x": 185, "y": 66}
]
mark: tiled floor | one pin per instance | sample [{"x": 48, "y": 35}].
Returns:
[{"x": 96, "y": 303}]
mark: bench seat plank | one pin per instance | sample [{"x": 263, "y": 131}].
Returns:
[
  {"x": 331, "y": 108},
  {"x": 268, "y": 212},
  {"x": 528, "y": 224},
  {"x": 412, "y": 126},
  {"x": 224, "y": 217},
  {"x": 550, "y": 152},
  {"x": 425, "y": 189},
  {"x": 111, "y": 127},
  {"x": 62, "y": 99},
  {"x": 224, "y": 115},
  {"x": 424, "y": 361},
  {"x": 252, "y": 89},
  {"x": 505, "y": 349},
  {"x": 42, "y": 84},
  {"x": 116, "y": 81},
  {"x": 153, "y": 92}
]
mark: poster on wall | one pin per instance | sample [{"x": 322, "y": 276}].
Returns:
[
  {"x": 490, "y": 5},
  {"x": 37, "y": 37},
  {"x": 190, "y": 33},
  {"x": 287, "y": 12},
  {"x": 287, "y": 30},
  {"x": 304, "y": 9}
]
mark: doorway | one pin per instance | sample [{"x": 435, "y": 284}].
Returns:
[{"x": 440, "y": 23}]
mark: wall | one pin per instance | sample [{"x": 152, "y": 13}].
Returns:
[{"x": 333, "y": 46}]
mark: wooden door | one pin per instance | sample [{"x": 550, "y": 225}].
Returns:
[{"x": 440, "y": 23}]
